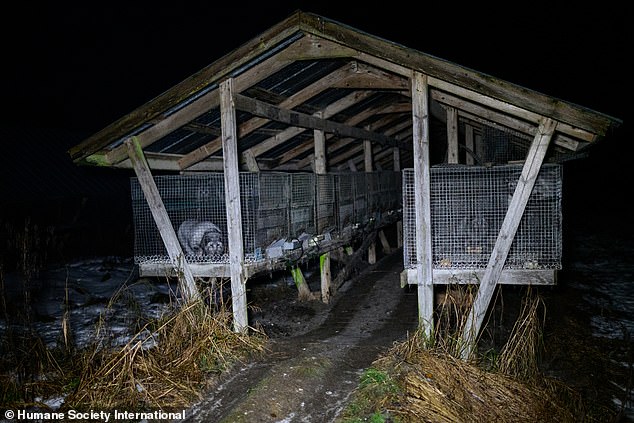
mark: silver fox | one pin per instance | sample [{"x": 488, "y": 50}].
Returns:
[{"x": 200, "y": 238}]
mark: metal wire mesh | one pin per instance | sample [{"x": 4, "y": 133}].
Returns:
[
  {"x": 275, "y": 206},
  {"x": 468, "y": 205},
  {"x": 503, "y": 146},
  {"x": 326, "y": 203}
]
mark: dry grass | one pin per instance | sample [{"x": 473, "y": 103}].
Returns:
[
  {"x": 190, "y": 344},
  {"x": 432, "y": 384}
]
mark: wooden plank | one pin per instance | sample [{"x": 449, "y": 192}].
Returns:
[
  {"x": 331, "y": 110},
  {"x": 233, "y": 208},
  {"x": 201, "y": 80},
  {"x": 454, "y": 75},
  {"x": 422, "y": 200},
  {"x": 396, "y": 159},
  {"x": 252, "y": 164},
  {"x": 326, "y": 276},
  {"x": 469, "y": 144},
  {"x": 486, "y": 116},
  {"x": 534, "y": 160},
  {"x": 302, "y": 120},
  {"x": 320, "y": 149},
  {"x": 255, "y": 123},
  {"x": 474, "y": 276},
  {"x": 452, "y": 135},
  {"x": 162, "y": 220},
  {"x": 384, "y": 242},
  {"x": 199, "y": 270},
  {"x": 367, "y": 155}
]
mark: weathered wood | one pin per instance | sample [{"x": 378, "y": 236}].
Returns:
[
  {"x": 331, "y": 110},
  {"x": 474, "y": 276},
  {"x": 534, "y": 160},
  {"x": 468, "y": 140},
  {"x": 367, "y": 155},
  {"x": 320, "y": 149},
  {"x": 452, "y": 135},
  {"x": 162, "y": 220},
  {"x": 399, "y": 234},
  {"x": 487, "y": 116},
  {"x": 454, "y": 75},
  {"x": 355, "y": 258},
  {"x": 233, "y": 208},
  {"x": 302, "y": 120},
  {"x": 251, "y": 162},
  {"x": 422, "y": 201},
  {"x": 397, "y": 159},
  {"x": 255, "y": 123},
  {"x": 384, "y": 242},
  {"x": 324, "y": 271},
  {"x": 206, "y": 77},
  {"x": 303, "y": 291}
]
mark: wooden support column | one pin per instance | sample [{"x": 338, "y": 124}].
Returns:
[
  {"x": 232, "y": 200},
  {"x": 495, "y": 266},
  {"x": 422, "y": 200},
  {"x": 162, "y": 220},
  {"x": 384, "y": 242},
  {"x": 367, "y": 165},
  {"x": 324, "y": 269},
  {"x": 397, "y": 159},
  {"x": 399, "y": 233},
  {"x": 320, "y": 168},
  {"x": 303, "y": 290},
  {"x": 320, "y": 148},
  {"x": 452, "y": 135},
  {"x": 469, "y": 143}
]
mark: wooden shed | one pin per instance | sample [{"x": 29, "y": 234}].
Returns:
[{"x": 315, "y": 100}]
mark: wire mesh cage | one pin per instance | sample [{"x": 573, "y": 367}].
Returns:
[
  {"x": 275, "y": 207},
  {"x": 468, "y": 206}
]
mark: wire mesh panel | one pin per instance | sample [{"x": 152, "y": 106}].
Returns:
[
  {"x": 468, "y": 206},
  {"x": 345, "y": 201},
  {"x": 360, "y": 189},
  {"x": 302, "y": 204},
  {"x": 502, "y": 146},
  {"x": 325, "y": 203},
  {"x": 275, "y": 206},
  {"x": 273, "y": 211},
  {"x": 195, "y": 205},
  {"x": 373, "y": 194}
]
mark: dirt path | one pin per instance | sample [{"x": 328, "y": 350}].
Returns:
[{"x": 308, "y": 377}]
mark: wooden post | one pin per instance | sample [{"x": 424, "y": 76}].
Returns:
[
  {"x": 452, "y": 135},
  {"x": 324, "y": 269},
  {"x": 384, "y": 242},
  {"x": 303, "y": 291},
  {"x": 320, "y": 149},
  {"x": 468, "y": 140},
  {"x": 399, "y": 233},
  {"x": 251, "y": 162},
  {"x": 162, "y": 220},
  {"x": 397, "y": 159},
  {"x": 232, "y": 200},
  {"x": 422, "y": 200},
  {"x": 534, "y": 160},
  {"x": 367, "y": 165}
]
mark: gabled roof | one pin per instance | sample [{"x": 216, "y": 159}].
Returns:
[{"x": 329, "y": 73}]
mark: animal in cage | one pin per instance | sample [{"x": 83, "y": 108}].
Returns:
[{"x": 200, "y": 238}]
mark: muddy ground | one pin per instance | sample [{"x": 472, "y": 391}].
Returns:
[{"x": 317, "y": 352}]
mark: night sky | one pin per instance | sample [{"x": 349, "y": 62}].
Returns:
[{"x": 81, "y": 67}]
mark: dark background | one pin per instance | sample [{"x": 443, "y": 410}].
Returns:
[{"x": 68, "y": 71}]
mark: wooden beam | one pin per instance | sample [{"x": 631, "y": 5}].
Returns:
[
  {"x": 469, "y": 144},
  {"x": 302, "y": 120},
  {"x": 367, "y": 155},
  {"x": 252, "y": 124},
  {"x": 422, "y": 200},
  {"x": 162, "y": 220},
  {"x": 320, "y": 150},
  {"x": 534, "y": 160},
  {"x": 324, "y": 271},
  {"x": 331, "y": 110},
  {"x": 396, "y": 159},
  {"x": 452, "y": 135},
  {"x": 474, "y": 276},
  {"x": 233, "y": 208},
  {"x": 205, "y": 78}
]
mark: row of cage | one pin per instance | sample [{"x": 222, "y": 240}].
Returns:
[
  {"x": 276, "y": 207},
  {"x": 468, "y": 206}
]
